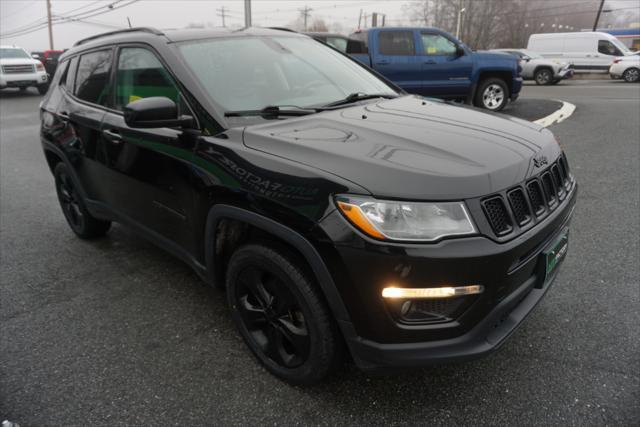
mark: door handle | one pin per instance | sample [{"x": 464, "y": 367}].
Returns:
[
  {"x": 430, "y": 62},
  {"x": 588, "y": 56},
  {"x": 112, "y": 136}
]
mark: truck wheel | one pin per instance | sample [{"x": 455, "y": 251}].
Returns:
[
  {"x": 281, "y": 315},
  {"x": 543, "y": 76},
  {"x": 79, "y": 219},
  {"x": 492, "y": 94},
  {"x": 631, "y": 75}
]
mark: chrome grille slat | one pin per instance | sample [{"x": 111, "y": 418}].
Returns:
[{"x": 18, "y": 69}]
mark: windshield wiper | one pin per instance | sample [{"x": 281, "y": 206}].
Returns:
[
  {"x": 359, "y": 96},
  {"x": 273, "y": 111}
]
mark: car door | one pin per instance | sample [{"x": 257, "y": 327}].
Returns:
[
  {"x": 445, "y": 73},
  {"x": 81, "y": 110},
  {"x": 148, "y": 170},
  {"x": 396, "y": 59}
]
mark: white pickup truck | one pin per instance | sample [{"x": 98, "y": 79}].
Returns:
[{"x": 19, "y": 69}]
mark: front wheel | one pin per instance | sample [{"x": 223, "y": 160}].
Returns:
[
  {"x": 492, "y": 94},
  {"x": 282, "y": 315},
  {"x": 543, "y": 77},
  {"x": 631, "y": 75},
  {"x": 79, "y": 219}
]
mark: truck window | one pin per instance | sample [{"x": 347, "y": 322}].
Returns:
[
  {"x": 435, "y": 44},
  {"x": 607, "y": 48},
  {"x": 398, "y": 43}
]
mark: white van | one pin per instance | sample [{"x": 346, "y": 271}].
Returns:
[{"x": 587, "y": 51}]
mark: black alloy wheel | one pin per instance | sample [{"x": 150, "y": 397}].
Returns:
[
  {"x": 76, "y": 214},
  {"x": 281, "y": 314}
]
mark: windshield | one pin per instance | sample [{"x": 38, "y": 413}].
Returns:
[
  {"x": 12, "y": 53},
  {"x": 250, "y": 73},
  {"x": 624, "y": 49},
  {"x": 531, "y": 54}
]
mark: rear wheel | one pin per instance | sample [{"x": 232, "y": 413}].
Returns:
[
  {"x": 492, "y": 94},
  {"x": 281, "y": 315},
  {"x": 543, "y": 76},
  {"x": 79, "y": 219},
  {"x": 631, "y": 75}
]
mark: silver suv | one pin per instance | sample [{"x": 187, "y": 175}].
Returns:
[{"x": 544, "y": 71}]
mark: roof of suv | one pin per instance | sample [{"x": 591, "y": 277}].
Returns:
[{"x": 173, "y": 35}]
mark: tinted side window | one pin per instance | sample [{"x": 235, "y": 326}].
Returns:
[
  {"x": 140, "y": 75},
  {"x": 608, "y": 48},
  {"x": 396, "y": 43},
  {"x": 71, "y": 74},
  {"x": 92, "y": 78},
  {"x": 435, "y": 44}
]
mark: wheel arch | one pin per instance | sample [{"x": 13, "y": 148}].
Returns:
[
  {"x": 219, "y": 213},
  {"x": 504, "y": 75}
]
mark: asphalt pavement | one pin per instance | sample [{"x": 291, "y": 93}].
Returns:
[{"x": 118, "y": 332}]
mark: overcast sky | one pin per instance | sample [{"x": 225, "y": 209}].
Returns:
[
  {"x": 18, "y": 14},
  {"x": 21, "y": 15}
]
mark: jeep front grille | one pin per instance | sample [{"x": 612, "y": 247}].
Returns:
[{"x": 521, "y": 206}]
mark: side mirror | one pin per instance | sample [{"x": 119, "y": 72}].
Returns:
[
  {"x": 155, "y": 112},
  {"x": 34, "y": 56},
  {"x": 460, "y": 51}
]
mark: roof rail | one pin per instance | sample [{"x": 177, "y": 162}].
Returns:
[
  {"x": 123, "y": 31},
  {"x": 282, "y": 29}
]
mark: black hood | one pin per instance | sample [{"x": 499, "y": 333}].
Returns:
[{"x": 411, "y": 148}]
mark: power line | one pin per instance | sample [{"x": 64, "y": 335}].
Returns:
[{"x": 66, "y": 19}]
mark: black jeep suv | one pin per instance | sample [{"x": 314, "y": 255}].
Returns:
[{"x": 341, "y": 215}]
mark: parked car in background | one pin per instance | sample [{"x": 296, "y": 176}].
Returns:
[
  {"x": 342, "y": 43},
  {"x": 51, "y": 60},
  {"x": 627, "y": 68},
  {"x": 18, "y": 69},
  {"x": 588, "y": 51},
  {"x": 544, "y": 71},
  {"x": 431, "y": 62},
  {"x": 341, "y": 214}
]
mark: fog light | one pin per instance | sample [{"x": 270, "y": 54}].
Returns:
[{"x": 427, "y": 293}]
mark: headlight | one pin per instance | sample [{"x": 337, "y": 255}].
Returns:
[
  {"x": 40, "y": 67},
  {"x": 392, "y": 220}
]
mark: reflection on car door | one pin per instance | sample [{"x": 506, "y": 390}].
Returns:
[
  {"x": 149, "y": 174},
  {"x": 444, "y": 73},
  {"x": 81, "y": 111}
]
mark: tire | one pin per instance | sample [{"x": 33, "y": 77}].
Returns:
[
  {"x": 79, "y": 219},
  {"x": 281, "y": 315},
  {"x": 492, "y": 94},
  {"x": 631, "y": 75},
  {"x": 555, "y": 82},
  {"x": 543, "y": 77},
  {"x": 42, "y": 89}
]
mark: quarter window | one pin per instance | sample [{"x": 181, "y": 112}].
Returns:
[
  {"x": 140, "y": 75},
  {"x": 435, "y": 44},
  {"x": 71, "y": 74},
  {"x": 396, "y": 43},
  {"x": 92, "y": 79}
]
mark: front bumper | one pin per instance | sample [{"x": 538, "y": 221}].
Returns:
[
  {"x": 23, "y": 80},
  {"x": 510, "y": 273},
  {"x": 565, "y": 73},
  {"x": 516, "y": 86}
]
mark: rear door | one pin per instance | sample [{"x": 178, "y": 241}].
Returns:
[
  {"x": 395, "y": 58},
  {"x": 445, "y": 74},
  {"x": 148, "y": 171},
  {"x": 85, "y": 90}
]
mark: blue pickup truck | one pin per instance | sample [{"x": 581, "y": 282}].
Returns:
[{"x": 432, "y": 62}]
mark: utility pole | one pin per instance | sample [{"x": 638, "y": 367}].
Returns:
[
  {"x": 223, "y": 13},
  {"x": 459, "y": 21},
  {"x": 305, "y": 14},
  {"x": 50, "y": 24},
  {"x": 247, "y": 13},
  {"x": 360, "y": 19},
  {"x": 595, "y": 24}
]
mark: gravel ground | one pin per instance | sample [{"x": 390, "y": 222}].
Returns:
[{"x": 117, "y": 332}]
